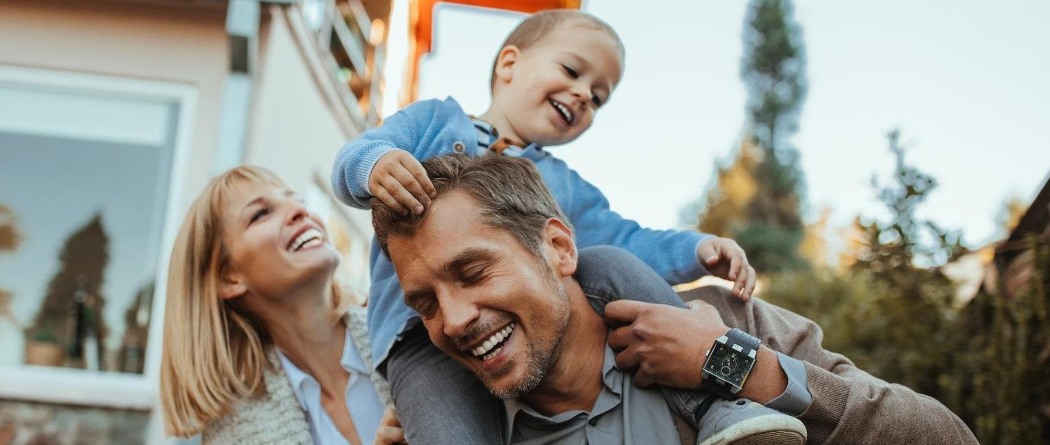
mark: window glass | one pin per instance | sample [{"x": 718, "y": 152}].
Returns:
[{"x": 83, "y": 186}]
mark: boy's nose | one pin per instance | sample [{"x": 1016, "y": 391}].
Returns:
[{"x": 581, "y": 94}]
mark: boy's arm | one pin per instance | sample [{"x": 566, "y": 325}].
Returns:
[
  {"x": 672, "y": 253},
  {"x": 404, "y": 130}
]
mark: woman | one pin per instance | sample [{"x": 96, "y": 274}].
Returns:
[{"x": 260, "y": 344}]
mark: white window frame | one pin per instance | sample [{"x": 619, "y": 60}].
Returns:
[{"x": 112, "y": 389}]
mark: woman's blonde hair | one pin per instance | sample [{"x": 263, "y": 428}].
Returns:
[{"x": 215, "y": 351}]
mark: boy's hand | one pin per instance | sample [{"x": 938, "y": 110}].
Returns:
[
  {"x": 725, "y": 259},
  {"x": 400, "y": 182}
]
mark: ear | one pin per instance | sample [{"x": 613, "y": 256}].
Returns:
[
  {"x": 504, "y": 70},
  {"x": 231, "y": 284},
  {"x": 558, "y": 237}
]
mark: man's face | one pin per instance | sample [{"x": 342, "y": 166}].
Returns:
[{"x": 486, "y": 300}]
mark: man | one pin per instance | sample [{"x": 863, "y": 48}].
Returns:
[{"x": 497, "y": 294}]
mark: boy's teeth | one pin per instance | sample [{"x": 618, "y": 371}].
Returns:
[
  {"x": 484, "y": 350},
  {"x": 565, "y": 113}
]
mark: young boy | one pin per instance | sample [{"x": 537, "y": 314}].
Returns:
[{"x": 553, "y": 73}]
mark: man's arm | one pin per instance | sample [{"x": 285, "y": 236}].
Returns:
[{"x": 848, "y": 404}]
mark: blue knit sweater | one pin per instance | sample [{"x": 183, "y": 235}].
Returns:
[{"x": 434, "y": 127}]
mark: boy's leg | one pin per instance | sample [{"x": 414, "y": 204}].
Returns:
[
  {"x": 437, "y": 400},
  {"x": 608, "y": 273}
]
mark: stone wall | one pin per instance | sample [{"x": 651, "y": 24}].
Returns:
[{"x": 33, "y": 423}]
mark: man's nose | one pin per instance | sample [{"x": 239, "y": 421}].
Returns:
[{"x": 459, "y": 313}]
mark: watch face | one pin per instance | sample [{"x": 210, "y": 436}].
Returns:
[{"x": 728, "y": 364}]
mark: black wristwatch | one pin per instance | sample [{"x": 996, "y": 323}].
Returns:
[{"x": 729, "y": 361}]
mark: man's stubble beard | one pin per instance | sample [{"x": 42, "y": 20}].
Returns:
[{"x": 540, "y": 360}]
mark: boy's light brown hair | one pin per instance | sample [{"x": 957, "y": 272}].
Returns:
[{"x": 538, "y": 25}]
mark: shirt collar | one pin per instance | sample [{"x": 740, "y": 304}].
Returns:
[
  {"x": 351, "y": 361},
  {"x": 489, "y": 141},
  {"x": 612, "y": 378}
]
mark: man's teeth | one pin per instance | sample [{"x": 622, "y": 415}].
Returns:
[
  {"x": 310, "y": 237},
  {"x": 490, "y": 344},
  {"x": 565, "y": 113}
]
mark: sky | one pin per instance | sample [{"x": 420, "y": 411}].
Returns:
[{"x": 965, "y": 81}]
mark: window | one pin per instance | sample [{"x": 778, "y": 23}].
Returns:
[{"x": 86, "y": 167}]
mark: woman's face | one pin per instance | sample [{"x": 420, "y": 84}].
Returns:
[{"x": 275, "y": 245}]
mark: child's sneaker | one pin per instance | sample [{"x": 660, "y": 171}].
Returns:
[{"x": 743, "y": 422}]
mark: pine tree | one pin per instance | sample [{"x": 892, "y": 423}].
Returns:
[
  {"x": 82, "y": 269},
  {"x": 765, "y": 215}
]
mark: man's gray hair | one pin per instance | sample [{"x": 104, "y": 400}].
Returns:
[{"x": 510, "y": 193}]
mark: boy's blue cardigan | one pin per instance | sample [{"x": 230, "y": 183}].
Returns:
[{"x": 436, "y": 127}]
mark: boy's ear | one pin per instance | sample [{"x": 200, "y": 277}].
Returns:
[
  {"x": 505, "y": 60},
  {"x": 231, "y": 285},
  {"x": 558, "y": 238}
]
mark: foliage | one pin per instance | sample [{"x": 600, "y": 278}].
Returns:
[
  {"x": 757, "y": 198},
  {"x": 891, "y": 313},
  {"x": 10, "y": 238},
  {"x": 1002, "y": 367}
]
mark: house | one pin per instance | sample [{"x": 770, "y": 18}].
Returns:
[
  {"x": 113, "y": 117},
  {"x": 114, "y": 114},
  {"x": 1013, "y": 257}
]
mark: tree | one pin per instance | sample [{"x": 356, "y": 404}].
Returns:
[
  {"x": 81, "y": 272},
  {"x": 892, "y": 295},
  {"x": 10, "y": 238},
  {"x": 903, "y": 254},
  {"x": 1003, "y": 392},
  {"x": 765, "y": 216}
]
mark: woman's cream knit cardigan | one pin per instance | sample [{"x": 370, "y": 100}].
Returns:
[{"x": 276, "y": 417}]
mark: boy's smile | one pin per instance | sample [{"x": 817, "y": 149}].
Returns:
[{"x": 549, "y": 93}]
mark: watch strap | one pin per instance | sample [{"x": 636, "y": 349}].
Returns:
[
  {"x": 746, "y": 341},
  {"x": 741, "y": 342}
]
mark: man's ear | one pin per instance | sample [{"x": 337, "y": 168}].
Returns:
[
  {"x": 558, "y": 237},
  {"x": 504, "y": 70},
  {"x": 231, "y": 284}
]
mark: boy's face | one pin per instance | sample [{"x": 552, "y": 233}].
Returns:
[{"x": 549, "y": 93}]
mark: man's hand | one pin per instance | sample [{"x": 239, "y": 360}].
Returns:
[
  {"x": 663, "y": 344},
  {"x": 389, "y": 431},
  {"x": 725, "y": 259},
  {"x": 400, "y": 181}
]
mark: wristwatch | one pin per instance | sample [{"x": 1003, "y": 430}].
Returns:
[{"x": 729, "y": 361}]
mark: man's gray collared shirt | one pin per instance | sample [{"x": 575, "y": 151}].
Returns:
[{"x": 623, "y": 413}]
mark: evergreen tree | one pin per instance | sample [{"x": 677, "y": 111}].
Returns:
[
  {"x": 890, "y": 310},
  {"x": 764, "y": 216},
  {"x": 82, "y": 266},
  {"x": 902, "y": 254}
]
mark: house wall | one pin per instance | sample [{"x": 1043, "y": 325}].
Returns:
[
  {"x": 148, "y": 41},
  {"x": 296, "y": 124},
  {"x": 184, "y": 45}
]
